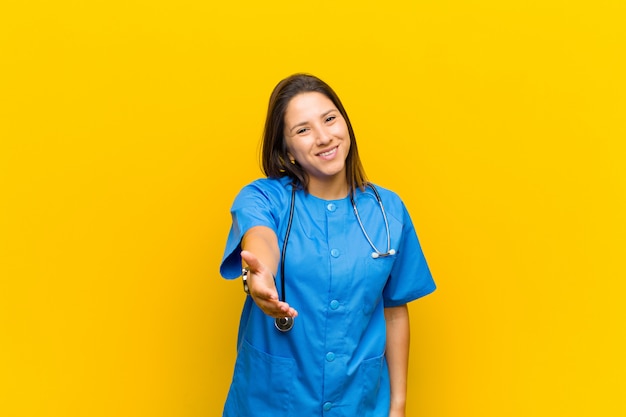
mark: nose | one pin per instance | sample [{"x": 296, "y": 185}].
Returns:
[{"x": 323, "y": 136}]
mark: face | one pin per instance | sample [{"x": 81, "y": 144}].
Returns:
[{"x": 317, "y": 137}]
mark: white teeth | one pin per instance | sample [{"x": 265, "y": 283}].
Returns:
[{"x": 328, "y": 152}]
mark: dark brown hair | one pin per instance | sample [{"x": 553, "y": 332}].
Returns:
[{"x": 275, "y": 160}]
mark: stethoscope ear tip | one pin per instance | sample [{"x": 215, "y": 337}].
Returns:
[{"x": 377, "y": 255}]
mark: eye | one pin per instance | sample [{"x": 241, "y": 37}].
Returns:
[
  {"x": 302, "y": 130},
  {"x": 330, "y": 118}
]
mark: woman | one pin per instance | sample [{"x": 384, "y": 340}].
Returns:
[{"x": 329, "y": 270}]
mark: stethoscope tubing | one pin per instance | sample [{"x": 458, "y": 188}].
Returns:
[{"x": 284, "y": 324}]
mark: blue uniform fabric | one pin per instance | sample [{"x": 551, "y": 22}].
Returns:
[{"x": 332, "y": 363}]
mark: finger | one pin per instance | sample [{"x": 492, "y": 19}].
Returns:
[
  {"x": 266, "y": 294},
  {"x": 251, "y": 260},
  {"x": 272, "y": 309},
  {"x": 286, "y": 310},
  {"x": 276, "y": 308}
]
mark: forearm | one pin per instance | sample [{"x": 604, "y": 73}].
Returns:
[
  {"x": 262, "y": 242},
  {"x": 260, "y": 255},
  {"x": 397, "y": 353}
]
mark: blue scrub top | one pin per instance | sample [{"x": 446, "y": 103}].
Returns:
[{"x": 332, "y": 361}]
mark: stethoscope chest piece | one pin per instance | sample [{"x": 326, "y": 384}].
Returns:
[{"x": 284, "y": 324}]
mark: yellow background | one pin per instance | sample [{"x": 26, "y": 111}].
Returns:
[{"x": 127, "y": 127}]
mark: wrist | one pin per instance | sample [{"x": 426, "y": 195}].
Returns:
[
  {"x": 244, "y": 279},
  {"x": 398, "y": 404}
]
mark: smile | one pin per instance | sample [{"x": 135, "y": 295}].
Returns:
[{"x": 328, "y": 153}]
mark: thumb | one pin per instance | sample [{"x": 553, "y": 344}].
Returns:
[{"x": 251, "y": 260}]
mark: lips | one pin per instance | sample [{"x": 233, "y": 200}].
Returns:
[{"x": 328, "y": 153}]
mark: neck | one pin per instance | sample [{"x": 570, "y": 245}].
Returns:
[{"x": 328, "y": 190}]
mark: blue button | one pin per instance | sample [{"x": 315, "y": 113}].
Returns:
[
  {"x": 334, "y": 253},
  {"x": 331, "y": 207},
  {"x": 334, "y": 305},
  {"x": 328, "y": 406},
  {"x": 330, "y": 356}
]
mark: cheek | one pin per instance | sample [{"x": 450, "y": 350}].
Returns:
[
  {"x": 341, "y": 130},
  {"x": 295, "y": 152},
  {"x": 289, "y": 147}
]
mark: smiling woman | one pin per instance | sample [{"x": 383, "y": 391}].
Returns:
[
  {"x": 348, "y": 348},
  {"x": 317, "y": 139},
  {"x": 287, "y": 97},
  {"x": 127, "y": 128}
]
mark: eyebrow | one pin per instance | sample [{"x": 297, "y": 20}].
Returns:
[{"x": 326, "y": 113}]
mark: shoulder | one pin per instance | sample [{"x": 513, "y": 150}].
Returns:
[
  {"x": 393, "y": 204},
  {"x": 270, "y": 190},
  {"x": 267, "y": 186},
  {"x": 388, "y": 196}
]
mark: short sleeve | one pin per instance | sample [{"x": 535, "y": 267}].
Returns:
[
  {"x": 410, "y": 276},
  {"x": 255, "y": 205}
]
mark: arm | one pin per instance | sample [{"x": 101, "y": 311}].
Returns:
[
  {"x": 397, "y": 353},
  {"x": 260, "y": 254}
]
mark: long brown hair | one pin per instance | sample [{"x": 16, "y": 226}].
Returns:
[{"x": 275, "y": 161}]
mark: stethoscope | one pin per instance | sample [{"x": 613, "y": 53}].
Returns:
[{"x": 284, "y": 324}]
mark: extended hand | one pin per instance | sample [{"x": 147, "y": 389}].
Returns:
[{"x": 263, "y": 288}]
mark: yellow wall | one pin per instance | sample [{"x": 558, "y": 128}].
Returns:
[{"x": 127, "y": 127}]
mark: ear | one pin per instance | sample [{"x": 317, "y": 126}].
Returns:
[{"x": 291, "y": 158}]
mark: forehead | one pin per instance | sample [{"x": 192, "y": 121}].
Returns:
[{"x": 309, "y": 104}]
